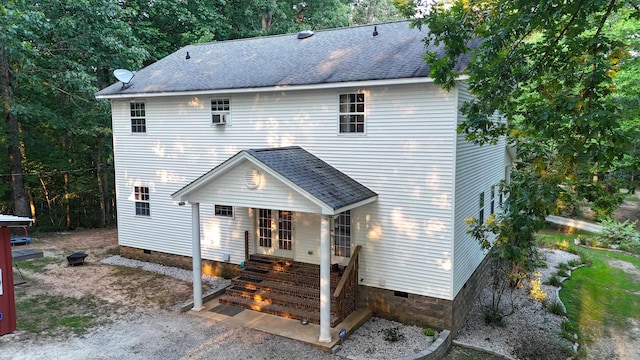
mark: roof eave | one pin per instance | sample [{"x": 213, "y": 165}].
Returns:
[
  {"x": 337, "y": 85},
  {"x": 355, "y": 205}
]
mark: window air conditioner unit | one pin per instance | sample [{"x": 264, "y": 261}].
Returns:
[{"x": 220, "y": 118}]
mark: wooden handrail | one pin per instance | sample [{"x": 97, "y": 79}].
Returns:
[{"x": 347, "y": 271}]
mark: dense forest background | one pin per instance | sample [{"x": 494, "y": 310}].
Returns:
[
  {"x": 566, "y": 75},
  {"x": 55, "y": 54}
]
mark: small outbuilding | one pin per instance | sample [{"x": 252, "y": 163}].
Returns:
[{"x": 7, "y": 299}]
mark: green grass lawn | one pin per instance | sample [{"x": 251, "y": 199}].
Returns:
[
  {"x": 602, "y": 296},
  {"x": 56, "y": 314}
]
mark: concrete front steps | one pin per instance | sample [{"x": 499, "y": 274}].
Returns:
[{"x": 280, "y": 287}]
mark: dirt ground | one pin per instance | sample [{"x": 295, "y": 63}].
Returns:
[
  {"x": 629, "y": 210},
  {"x": 114, "y": 285}
]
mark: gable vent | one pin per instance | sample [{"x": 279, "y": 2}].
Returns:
[
  {"x": 252, "y": 179},
  {"x": 305, "y": 34}
]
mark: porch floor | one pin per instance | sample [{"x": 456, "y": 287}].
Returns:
[{"x": 280, "y": 326}]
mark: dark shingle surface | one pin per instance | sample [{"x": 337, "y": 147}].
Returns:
[
  {"x": 315, "y": 176},
  {"x": 329, "y": 56}
]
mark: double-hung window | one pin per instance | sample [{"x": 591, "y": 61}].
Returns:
[
  {"x": 220, "y": 111},
  {"x": 351, "y": 113},
  {"x": 342, "y": 234},
  {"x": 142, "y": 200},
  {"x": 138, "y": 117}
]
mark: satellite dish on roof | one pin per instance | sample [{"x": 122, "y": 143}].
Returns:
[
  {"x": 123, "y": 75},
  {"x": 305, "y": 34}
]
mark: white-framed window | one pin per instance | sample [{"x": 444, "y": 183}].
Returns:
[
  {"x": 223, "y": 210},
  {"x": 481, "y": 208},
  {"x": 138, "y": 115},
  {"x": 342, "y": 234},
  {"x": 143, "y": 207},
  {"x": 493, "y": 199},
  {"x": 264, "y": 227},
  {"x": 351, "y": 113},
  {"x": 220, "y": 111}
]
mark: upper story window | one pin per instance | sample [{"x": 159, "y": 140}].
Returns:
[
  {"x": 220, "y": 111},
  {"x": 224, "y": 210},
  {"x": 138, "y": 117},
  {"x": 142, "y": 201},
  {"x": 352, "y": 113}
]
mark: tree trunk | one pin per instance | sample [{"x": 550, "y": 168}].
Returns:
[
  {"x": 19, "y": 197},
  {"x": 266, "y": 21},
  {"x": 101, "y": 190}
]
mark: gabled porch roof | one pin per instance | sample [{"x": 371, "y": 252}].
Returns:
[{"x": 317, "y": 181}]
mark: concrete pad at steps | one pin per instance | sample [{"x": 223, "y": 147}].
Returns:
[{"x": 280, "y": 326}]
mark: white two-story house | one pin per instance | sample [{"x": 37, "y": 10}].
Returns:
[{"x": 311, "y": 148}]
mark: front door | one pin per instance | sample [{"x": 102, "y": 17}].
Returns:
[{"x": 274, "y": 232}]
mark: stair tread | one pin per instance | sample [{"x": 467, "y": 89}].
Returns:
[
  {"x": 313, "y": 316},
  {"x": 275, "y": 285},
  {"x": 284, "y": 298}
]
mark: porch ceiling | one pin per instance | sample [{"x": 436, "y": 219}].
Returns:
[{"x": 317, "y": 181}]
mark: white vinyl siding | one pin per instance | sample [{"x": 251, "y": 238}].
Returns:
[
  {"x": 478, "y": 168},
  {"x": 407, "y": 158}
]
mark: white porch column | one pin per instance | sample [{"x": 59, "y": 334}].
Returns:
[
  {"x": 325, "y": 280},
  {"x": 197, "y": 257}
]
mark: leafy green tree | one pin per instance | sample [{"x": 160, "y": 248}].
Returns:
[
  {"x": 20, "y": 27},
  {"x": 58, "y": 53},
  {"x": 249, "y": 18},
  {"x": 163, "y": 26},
  {"x": 374, "y": 11},
  {"x": 551, "y": 68}
]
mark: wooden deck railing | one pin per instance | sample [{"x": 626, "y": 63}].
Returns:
[{"x": 345, "y": 296}]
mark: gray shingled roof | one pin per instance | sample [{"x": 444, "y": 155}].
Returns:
[
  {"x": 321, "y": 180},
  {"x": 329, "y": 56}
]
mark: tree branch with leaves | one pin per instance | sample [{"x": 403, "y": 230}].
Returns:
[{"x": 551, "y": 69}]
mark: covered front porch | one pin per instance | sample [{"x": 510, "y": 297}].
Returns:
[{"x": 276, "y": 183}]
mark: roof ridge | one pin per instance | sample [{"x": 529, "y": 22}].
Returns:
[{"x": 289, "y": 34}]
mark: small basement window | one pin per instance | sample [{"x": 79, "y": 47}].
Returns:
[{"x": 401, "y": 294}]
